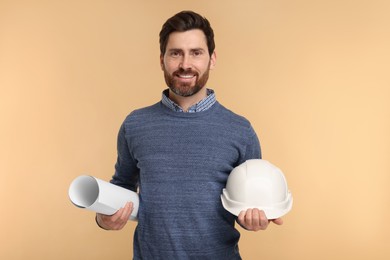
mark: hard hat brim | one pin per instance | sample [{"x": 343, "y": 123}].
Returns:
[{"x": 271, "y": 211}]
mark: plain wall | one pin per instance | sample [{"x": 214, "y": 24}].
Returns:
[{"x": 311, "y": 76}]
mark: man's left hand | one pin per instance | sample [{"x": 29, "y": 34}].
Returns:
[{"x": 255, "y": 220}]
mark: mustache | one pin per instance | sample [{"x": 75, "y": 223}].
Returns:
[{"x": 187, "y": 71}]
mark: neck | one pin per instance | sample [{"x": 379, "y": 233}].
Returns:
[{"x": 186, "y": 102}]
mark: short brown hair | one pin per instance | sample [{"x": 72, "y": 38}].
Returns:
[{"x": 184, "y": 21}]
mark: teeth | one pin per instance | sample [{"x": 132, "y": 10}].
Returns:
[{"x": 186, "y": 76}]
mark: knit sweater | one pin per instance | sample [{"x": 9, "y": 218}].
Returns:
[{"x": 179, "y": 163}]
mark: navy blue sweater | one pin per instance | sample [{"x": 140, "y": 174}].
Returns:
[{"x": 179, "y": 163}]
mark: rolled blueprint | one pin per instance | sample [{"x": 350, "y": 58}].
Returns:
[{"x": 100, "y": 196}]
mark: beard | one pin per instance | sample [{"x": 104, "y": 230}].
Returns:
[{"x": 185, "y": 89}]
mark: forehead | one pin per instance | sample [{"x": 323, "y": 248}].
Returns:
[{"x": 187, "y": 40}]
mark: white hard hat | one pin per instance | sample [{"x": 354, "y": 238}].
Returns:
[{"x": 258, "y": 184}]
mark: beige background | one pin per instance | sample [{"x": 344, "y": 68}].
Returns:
[{"x": 311, "y": 76}]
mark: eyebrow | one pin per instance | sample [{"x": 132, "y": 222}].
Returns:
[
  {"x": 191, "y": 50},
  {"x": 174, "y": 49},
  {"x": 198, "y": 49}
]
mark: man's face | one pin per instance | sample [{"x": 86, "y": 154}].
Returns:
[{"x": 186, "y": 62}]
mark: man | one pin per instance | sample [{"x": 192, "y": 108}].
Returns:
[{"x": 178, "y": 154}]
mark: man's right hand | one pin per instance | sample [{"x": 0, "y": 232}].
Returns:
[{"x": 116, "y": 221}]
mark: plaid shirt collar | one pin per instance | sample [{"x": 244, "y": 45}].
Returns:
[{"x": 202, "y": 105}]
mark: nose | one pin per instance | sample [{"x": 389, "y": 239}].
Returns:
[{"x": 185, "y": 62}]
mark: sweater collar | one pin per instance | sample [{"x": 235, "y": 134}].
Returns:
[{"x": 202, "y": 105}]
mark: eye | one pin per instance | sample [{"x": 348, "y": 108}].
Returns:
[
  {"x": 174, "y": 53},
  {"x": 197, "y": 53}
]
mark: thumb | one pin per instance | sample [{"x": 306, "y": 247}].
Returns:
[{"x": 278, "y": 221}]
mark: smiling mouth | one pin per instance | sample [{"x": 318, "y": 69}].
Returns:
[{"x": 185, "y": 76}]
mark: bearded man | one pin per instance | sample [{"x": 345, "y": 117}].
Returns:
[{"x": 178, "y": 153}]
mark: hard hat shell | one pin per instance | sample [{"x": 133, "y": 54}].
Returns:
[{"x": 258, "y": 184}]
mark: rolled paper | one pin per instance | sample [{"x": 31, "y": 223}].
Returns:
[{"x": 100, "y": 196}]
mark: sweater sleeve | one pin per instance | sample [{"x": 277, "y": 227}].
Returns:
[
  {"x": 126, "y": 171},
  {"x": 253, "y": 150}
]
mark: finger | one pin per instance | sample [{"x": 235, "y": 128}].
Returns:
[
  {"x": 256, "y": 220},
  {"x": 241, "y": 217},
  {"x": 116, "y": 216},
  {"x": 120, "y": 224},
  {"x": 249, "y": 218},
  {"x": 263, "y": 220},
  {"x": 127, "y": 211},
  {"x": 120, "y": 220},
  {"x": 131, "y": 208}
]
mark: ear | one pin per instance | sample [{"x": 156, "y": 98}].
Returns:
[
  {"x": 213, "y": 60},
  {"x": 162, "y": 61}
]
